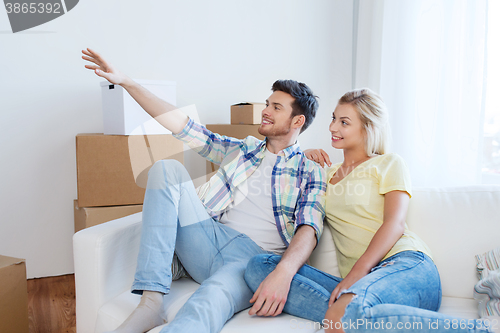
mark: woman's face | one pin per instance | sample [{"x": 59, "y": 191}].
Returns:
[{"x": 346, "y": 128}]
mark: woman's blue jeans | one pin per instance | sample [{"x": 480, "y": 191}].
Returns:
[
  {"x": 401, "y": 294},
  {"x": 216, "y": 256}
]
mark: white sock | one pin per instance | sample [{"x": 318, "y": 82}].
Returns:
[{"x": 146, "y": 316}]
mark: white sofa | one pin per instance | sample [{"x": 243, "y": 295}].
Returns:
[{"x": 456, "y": 223}]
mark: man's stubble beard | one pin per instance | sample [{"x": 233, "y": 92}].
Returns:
[{"x": 276, "y": 131}]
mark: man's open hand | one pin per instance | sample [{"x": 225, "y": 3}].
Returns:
[
  {"x": 102, "y": 68},
  {"x": 271, "y": 296}
]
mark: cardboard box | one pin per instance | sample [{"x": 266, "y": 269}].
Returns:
[
  {"x": 112, "y": 170},
  {"x": 13, "y": 295},
  {"x": 235, "y": 131},
  {"x": 247, "y": 113},
  {"x": 122, "y": 115},
  {"x": 89, "y": 216}
]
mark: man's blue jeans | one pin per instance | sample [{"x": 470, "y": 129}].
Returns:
[
  {"x": 216, "y": 256},
  {"x": 401, "y": 294}
]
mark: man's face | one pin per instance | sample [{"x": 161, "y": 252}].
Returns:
[{"x": 276, "y": 117}]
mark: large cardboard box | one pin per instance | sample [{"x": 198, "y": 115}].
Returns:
[
  {"x": 122, "y": 115},
  {"x": 89, "y": 216},
  {"x": 13, "y": 295},
  {"x": 112, "y": 169},
  {"x": 235, "y": 131},
  {"x": 247, "y": 113}
]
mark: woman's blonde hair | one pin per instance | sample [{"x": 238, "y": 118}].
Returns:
[{"x": 374, "y": 116}]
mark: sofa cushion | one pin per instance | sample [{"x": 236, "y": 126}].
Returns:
[
  {"x": 487, "y": 290},
  {"x": 459, "y": 307},
  {"x": 243, "y": 323}
]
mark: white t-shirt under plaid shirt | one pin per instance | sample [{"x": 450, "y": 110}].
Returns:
[{"x": 251, "y": 211}]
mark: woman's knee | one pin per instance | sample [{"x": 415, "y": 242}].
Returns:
[{"x": 258, "y": 269}]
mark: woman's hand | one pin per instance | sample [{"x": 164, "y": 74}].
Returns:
[
  {"x": 318, "y": 156},
  {"x": 102, "y": 68},
  {"x": 351, "y": 278}
]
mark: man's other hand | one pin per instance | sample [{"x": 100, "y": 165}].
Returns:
[{"x": 271, "y": 296}]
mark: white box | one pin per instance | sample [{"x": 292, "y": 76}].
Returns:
[{"x": 122, "y": 115}]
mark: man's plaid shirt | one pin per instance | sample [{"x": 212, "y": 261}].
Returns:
[{"x": 298, "y": 184}]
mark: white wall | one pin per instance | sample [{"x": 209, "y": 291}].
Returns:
[{"x": 219, "y": 52}]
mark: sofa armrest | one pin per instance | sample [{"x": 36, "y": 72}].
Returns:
[{"x": 105, "y": 258}]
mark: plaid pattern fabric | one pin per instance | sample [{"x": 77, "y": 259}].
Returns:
[
  {"x": 178, "y": 271},
  {"x": 298, "y": 184}
]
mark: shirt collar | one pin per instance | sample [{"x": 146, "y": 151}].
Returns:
[{"x": 288, "y": 152}]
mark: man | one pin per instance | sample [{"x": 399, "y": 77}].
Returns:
[{"x": 265, "y": 198}]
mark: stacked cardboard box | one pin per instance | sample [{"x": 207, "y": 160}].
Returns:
[
  {"x": 112, "y": 173},
  {"x": 13, "y": 295},
  {"x": 247, "y": 113},
  {"x": 89, "y": 216}
]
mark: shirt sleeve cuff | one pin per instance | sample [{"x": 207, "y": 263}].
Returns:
[
  {"x": 318, "y": 230},
  {"x": 185, "y": 131},
  {"x": 191, "y": 112}
]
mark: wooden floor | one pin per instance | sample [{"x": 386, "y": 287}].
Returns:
[{"x": 51, "y": 304}]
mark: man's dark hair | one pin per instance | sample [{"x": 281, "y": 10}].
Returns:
[{"x": 305, "y": 103}]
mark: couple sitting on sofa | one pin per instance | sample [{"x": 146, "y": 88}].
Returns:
[{"x": 246, "y": 235}]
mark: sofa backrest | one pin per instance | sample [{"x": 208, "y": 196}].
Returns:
[
  {"x": 324, "y": 256},
  {"x": 456, "y": 223}
]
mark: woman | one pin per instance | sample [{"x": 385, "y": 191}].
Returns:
[{"x": 389, "y": 281}]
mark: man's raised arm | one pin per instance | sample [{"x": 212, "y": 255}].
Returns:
[{"x": 166, "y": 114}]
